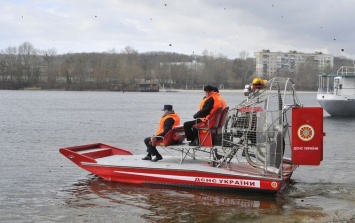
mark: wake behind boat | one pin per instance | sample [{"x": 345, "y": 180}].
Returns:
[
  {"x": 254, "y": 146},
  {"x": 336, "y": 92}
]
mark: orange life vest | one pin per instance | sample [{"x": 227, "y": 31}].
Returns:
[
  {"x": 174, "y": 116},
  {"x": 223, "y": 102},
  {"x": 216, "y": 104},
  {"x": 203, "y": 102}
]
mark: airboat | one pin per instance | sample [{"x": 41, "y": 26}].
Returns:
[{"x": 254, "y": 146}]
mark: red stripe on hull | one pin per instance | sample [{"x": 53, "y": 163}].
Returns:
[{"x": 181, "y": 177}]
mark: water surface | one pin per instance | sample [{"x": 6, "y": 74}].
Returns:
[{"x": 38, "y": 184}]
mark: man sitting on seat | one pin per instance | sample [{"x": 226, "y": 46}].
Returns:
[
  {"x": 169, "y": 120},
  {"x": 208, "y": 105}
]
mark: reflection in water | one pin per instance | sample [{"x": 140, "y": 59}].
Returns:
[
  {"x": 162, "y": 204},
  {"x": 167, "y": 204}
]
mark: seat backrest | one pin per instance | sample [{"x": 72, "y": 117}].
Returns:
[
  {"x": 212, "y": 122},
  {"x": 223, "y": 117},
  {"x": 174, "y": 136},
  {"x": 222, "y": 120},
  {"x": 206, "y": 135},
  {"x": 215, "y": 118},
  {"x": 179, "y": 134}
]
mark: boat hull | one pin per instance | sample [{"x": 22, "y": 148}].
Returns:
[
  {"x": 184, "y": 178},
  {"x": 114, "y": 164},
  {"x": 337, "y": 106}
]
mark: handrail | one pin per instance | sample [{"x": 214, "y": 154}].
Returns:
[{"x": 346, "y": 70}]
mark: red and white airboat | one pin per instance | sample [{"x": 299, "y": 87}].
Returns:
[{"x": 255, "y": 146}]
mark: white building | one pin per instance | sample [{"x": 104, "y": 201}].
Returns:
[
  {"x": 268, "y": 63},
  {"x": 191, "y": 65}
]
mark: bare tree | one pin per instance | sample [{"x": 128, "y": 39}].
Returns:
[
  {"x": 51, "y": 69},
  {"x": 243, "y": 55},
  {"x": 10, "y": 62},
  {"x": 26, "y": 53},
  {"x": 66, "y": 70}
]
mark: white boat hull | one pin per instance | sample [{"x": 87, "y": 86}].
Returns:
[
  {"x": 336, "y": 92},
  {"x": 341, "y": 106}
]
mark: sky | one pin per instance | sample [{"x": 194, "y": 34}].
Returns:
[{"x": 218, "y": 27}]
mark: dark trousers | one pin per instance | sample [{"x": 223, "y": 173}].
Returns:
[
  {"x": 152, "y": 150},
  {"x": 191, "y": 133}
]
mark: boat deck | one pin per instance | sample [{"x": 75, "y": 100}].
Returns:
[{"x": 200, "y": 165}]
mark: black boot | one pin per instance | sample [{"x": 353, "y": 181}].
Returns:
[
  {"x": 147, "y": 157},
  {"x": 157, "y": 157},
  {"x": 194, "y": 142}
]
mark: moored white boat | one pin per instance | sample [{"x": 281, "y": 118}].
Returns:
[
  {"x": 271, "y": 128},
  {"x": 336, "y": 92}
]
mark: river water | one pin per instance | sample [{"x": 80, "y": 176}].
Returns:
[{"x": 38, "y": 184}]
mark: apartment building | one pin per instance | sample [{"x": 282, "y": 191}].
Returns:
[{"x": 269, "y": 63}]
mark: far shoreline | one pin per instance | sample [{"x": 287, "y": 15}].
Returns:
[
  {"x": 161, "y": 90},
  {"x": 222, "y": 90}
]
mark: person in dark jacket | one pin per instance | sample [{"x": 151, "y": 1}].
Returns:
[
  {"x": 206, "y": 106},
  {"x": 167, "y": 122}
]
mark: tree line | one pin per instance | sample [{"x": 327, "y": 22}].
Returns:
[{"x": 27, "y": 67}]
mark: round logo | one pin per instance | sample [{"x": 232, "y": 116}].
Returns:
[
  {"x": 305, "y": 132},
  {"x": 274, "y": 184}
]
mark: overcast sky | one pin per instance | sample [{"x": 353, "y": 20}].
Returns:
[{"x": 224, "y": 27}]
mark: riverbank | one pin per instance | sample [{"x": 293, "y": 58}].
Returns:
[{"x": 225, "y": 90}]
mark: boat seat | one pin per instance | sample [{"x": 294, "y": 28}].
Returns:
[
  {"x": 207, "y": 129},
  {"x": 222, "y": 120},
  {"x": 174, "y": 136},
  {"x": 217, "y": 139}
]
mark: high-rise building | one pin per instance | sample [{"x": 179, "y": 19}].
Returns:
[{"x": 269, "y": 63}]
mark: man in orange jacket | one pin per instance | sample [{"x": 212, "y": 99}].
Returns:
[
  {"x": 167, "y": 122},
  {"x": 207, "y": 107}
]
